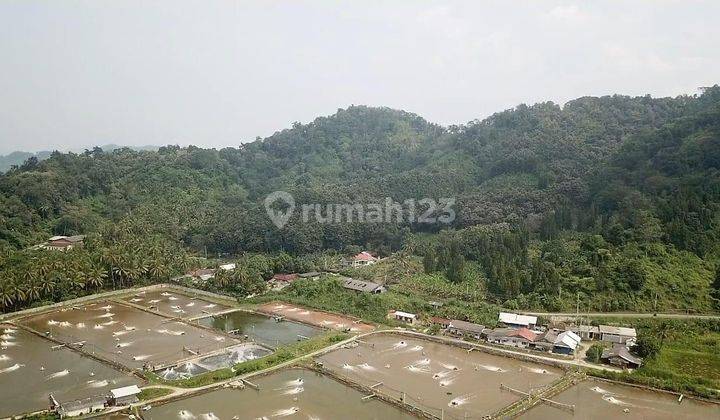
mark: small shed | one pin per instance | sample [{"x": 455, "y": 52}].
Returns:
[
  {"x": 405, "y": 317},
  {"x": 619, "y": 355},
  {"x": 442, "y": 322},
  {"x": 82, "y": 406},
  {"x": 466, "y": 329},
  {"x": 125, "y": 395}
]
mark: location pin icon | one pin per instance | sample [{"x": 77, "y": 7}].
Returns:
[{"x": 279, "y": 217}]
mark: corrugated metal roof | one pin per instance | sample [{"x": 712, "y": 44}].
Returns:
[
  {"x": 624, "y": 331},
  {"x": 516, "y": 319},
  {"x": 125, "y": 391},
  {"x": 466, "y": 326}
]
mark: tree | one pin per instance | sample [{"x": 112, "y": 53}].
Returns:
[{"x": 594, "y": 353}]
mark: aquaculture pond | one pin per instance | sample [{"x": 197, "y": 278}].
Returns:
[{"x": 261, "y": 328}]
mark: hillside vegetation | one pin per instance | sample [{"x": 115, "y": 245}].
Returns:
[{"x": 612, "y": 201}]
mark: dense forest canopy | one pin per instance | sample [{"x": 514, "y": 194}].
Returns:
[{"x": 613, "y": 200}]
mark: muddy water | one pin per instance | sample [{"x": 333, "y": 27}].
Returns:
[
  {"x": 292, "y": 394},
  {"x": 127, "y": 335},
  {"x": 603, "y": 400},
  {"x": 438, "y": 376},
  {"x": 30, "y": 370},
  {"x": 261, "y": 328},
  {"x": 175, "y": 304}
]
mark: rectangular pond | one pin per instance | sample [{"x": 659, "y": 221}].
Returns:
[
  {"x": 127, "y": 335},
  {"x": 292, "y": 393},
  {"x": 175, "y": 304},
  {"x": 220, "y": 360},
  {"x": 600, "y": 400},
  {"x": 30, "y": 370},
  {"x": 437, "y": 376},
  {"x": 260, "y": 328}
]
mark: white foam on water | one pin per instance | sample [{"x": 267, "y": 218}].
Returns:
[
  {"x": 6, "y": 343},
  {"x": 190, "y": 304},
  {"x": 12, "y": 368},
  {"x": 136, "y": 300},
  {"x": 613, "y": 400},
  {"x": 293, "y": 309},
  {"x": 172, "y": 298},
  {"x": 186, "y": 415},
  {"x": 4, "y": 358},
  {"x": 415, "y": 369},
  {"x": 7, "y": 337},
  {"x": 109, "y": 323},
  {"x": 119, "y": 333},
  {"x": 279, "y": 306},
  {"x": 155, "y": 301},
  {"x": 422, "y": 362},
  {"x": 458, "y": 401},
  {"x": 286, "y": 412},
  {"x": 106, "y": 307},
  {"x": 326, "y": 322},
  {"x": 98, "y": 384},
  {"x": 10, "y": 330},
  {"x": 210, "y": 305},
  {"x": 399, "y": 345},
  {"x": 129, "y": 328},
  {"x": 125, "y": 344},
  {"x": 218, "y": 338},
  {"x": 65, "y": 324},
  {"x": 209, "y": 416},
  {"x": 58, "y": 374},
  {"x": 80, "y": 325},
  {"x": 98, "y": 327},
  {"x": 141, "y": 357},
  {"x": 367, "y": 367},
  {"x": 107, "y": 315},
  {"x": 305, "y": 313},
  {"x": 293, "y": 391},
  {"x": 536, "y": 370},
  {"x": 52, "y": 322},
  {"x": 348, "y": 367},
  {"x": 447, "y": 381},
  {"x": 416, "y": 348},
  {"x": 599, "y": 390},
  {"x": 171, "y": 332},
  {"x": 441, "y": 375},
  {"x": 449, "y": 366},
  {"x": 492, "y": 368},
  {"x": 294, "y": 382}
]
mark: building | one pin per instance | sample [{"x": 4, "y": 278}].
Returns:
[
  {"x": 203, "y": 274},
  {"x": 281, "y": 281},
  {"x": 80, "y": 407},
  {"x": 312, "y": 275},
  {"x": 619, "y": 355},
  {"x": 515, "y": 337},
  {"x": 441, "y": 322},
  {"x": 362, "y": 259},
  {"x": 64, "y": 243},
  {"x": 621, "y": 335},
  {"x": 405, "y": 317},
  {"x": 566, "y": 343},
  {"x": 466, "y": 329},
  {"x": 125, "y": 395},
  {"x": 227, "y": 267},
  {"x": 517, "y": 321},
  {"x": 545, "y": 341},
  {"x": 361, "y": 285}
]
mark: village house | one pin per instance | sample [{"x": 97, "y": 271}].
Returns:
[
  {"x": 281, "y": 281},
  {"x": 566, "y": 343},
  {"x": 362, "y": 259},
  {"x": 621, "y": 335},
  {"x": 78, "y": 407},
  {"x": 227, "y": 267},
  {"x": 515, "y": 337},
  {"x": 64, "y": 243},
  {"x": 619, "y": 355},
  {"x": 405, "y": 317},
  {"x": 466, "y": 329},
  {"x": 125, "y": 395},
  {"x": 443, "y": 323},
  {"x": 361, "y": 285},
  {"x": 516, "y": 320}
]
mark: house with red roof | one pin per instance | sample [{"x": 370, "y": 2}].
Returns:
[
  {"x": 515, "y": 337},
  {"x": 363, "y": 259}
]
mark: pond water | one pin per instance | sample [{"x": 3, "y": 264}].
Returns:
[
  {"x": 604, "y": 400},
  {"x": 225, "y": 359},
  {"x": 261, "y": 328},
  {"x": 175, "y": 304},
  {"x": 436, "y": 376},
  {"x": 127, "y": 335},
  {"x": 292, "y": 394},
  {"x": 30, "y": 370}
]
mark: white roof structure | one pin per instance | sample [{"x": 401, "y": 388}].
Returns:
[
  {"x": 516, "y": 319},
  {"x": 125, "y": 391},
  {"x": 567, "y": 339},
  {"x": 228, "y": 267},
  {"x": 621, "y": 331},
  {"x": 405, "y": 314},
  {"x": 57, "y": 238}
]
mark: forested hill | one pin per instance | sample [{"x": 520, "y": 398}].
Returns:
[{"x": 611, "y": 196}]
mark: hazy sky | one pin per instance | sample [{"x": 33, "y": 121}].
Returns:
[{"x": 218, "y": 73}]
